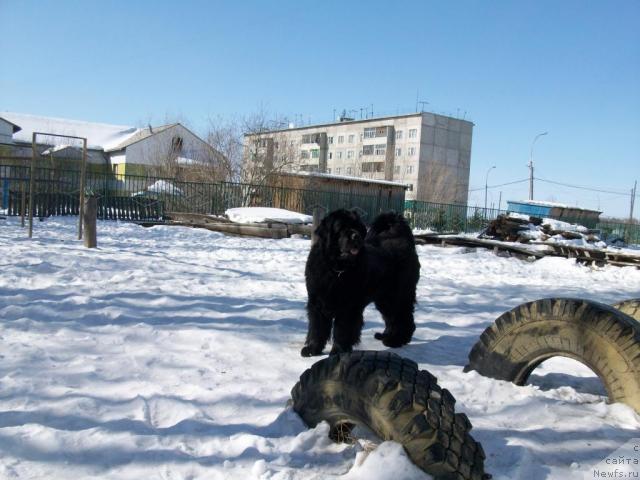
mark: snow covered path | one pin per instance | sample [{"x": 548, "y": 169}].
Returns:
[{"x": 170, "y": 353}]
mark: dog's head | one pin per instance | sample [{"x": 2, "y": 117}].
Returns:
[{"x": 341, "y": 235}]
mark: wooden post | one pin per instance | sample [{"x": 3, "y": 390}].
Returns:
[
  {"x": 83, "y": 172},
  {"x": 318, "y": 214},
  {"x": 32, "y": 183},
  {"x": 23, "y": 200},
  {"x": 89, "y": 216}
]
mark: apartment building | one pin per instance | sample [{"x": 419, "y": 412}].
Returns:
[{"x": 431, "y": 153}]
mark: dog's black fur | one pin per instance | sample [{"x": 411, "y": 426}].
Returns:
[{"x": 348, "y": 268}]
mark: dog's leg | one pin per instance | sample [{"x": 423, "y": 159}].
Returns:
[
  {"x": 318, "y": 332},
  {"x": 346, "y": 330},
  {"x": 399, "y": 324}
]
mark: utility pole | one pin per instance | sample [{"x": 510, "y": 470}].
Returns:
[
  {"x": 486, "y": 181},
  {"x": 531, "y": 164},
  {"x": 633, "y": 200}
]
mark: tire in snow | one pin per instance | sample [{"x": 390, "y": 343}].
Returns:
[
  {"x": 601, "y": 337},
  {"x": 630, "y": 307},
  {"x": 397, "y": 401}
]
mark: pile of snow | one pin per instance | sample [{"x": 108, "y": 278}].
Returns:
[
  {"x": 170, "y": 353},
  {"x": 263, "y": 214},
  {"x": 160, "y": 186}
]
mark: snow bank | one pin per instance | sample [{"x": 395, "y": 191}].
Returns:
[{"x": 262, "y": 214}]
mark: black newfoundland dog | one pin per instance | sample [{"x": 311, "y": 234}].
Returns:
[{"x": 348, "y": 268}]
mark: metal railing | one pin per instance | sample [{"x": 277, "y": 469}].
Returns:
[
  {"x": 145, "y": 197},
  {"x": 135, "y": 197}
]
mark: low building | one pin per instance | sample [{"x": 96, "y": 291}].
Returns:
[
  {"x": 110, "y": 148},
  {"x": 581, "y": 216},
  {"x": 428, "y": 152},
  {"x": 301, "y": 192}
]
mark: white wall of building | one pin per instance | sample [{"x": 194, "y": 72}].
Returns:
[{"x": 153, "y": 149}]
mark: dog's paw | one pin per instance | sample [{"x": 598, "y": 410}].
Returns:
[
  {"x": 394, "y": 341},
  {"x": 310, "y": 351}
]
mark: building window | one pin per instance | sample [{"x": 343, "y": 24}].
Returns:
[
  {"x": 413, "y": 133},
  {"x": 349, "y": 170},
  {"x": 349, "y": 153},
  {"x": 399, "y": 135},
  {"x": 409, "y": 168},
  {"x": 398, "y": 152},
  {"x": 372, "y": 167},
  {"x": 338, "y": 170},
  {"x": 330, "y": 155},
  {"x": 381, "y": 149},
  {"x": 367, "y": 150},
  {"x": 176, "y": 144},
  {"x": 340, "y": 138},
  {"x": 412, "y": 151},
  {"x": 328, "y": 170},
  {"x": 339, "y": 155},
  {"x": 304, "y": 154},
  {"x": 369, "y": 132},
  {"x": 351, "y": 138},
  {"x": 396, "y": 170},
  {"x": 315, "y": 153},
  {"x": 330, "y": 140}
]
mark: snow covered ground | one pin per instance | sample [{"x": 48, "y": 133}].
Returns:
[{"x": 170, "y": 353}]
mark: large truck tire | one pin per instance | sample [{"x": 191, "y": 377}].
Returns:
[
  {"x": 630, "y": 307},
  {"x": 393, "y": 398},
  {"x": 601, "y": 337}
]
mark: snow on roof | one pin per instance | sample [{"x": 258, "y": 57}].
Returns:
[
  {"x": 140, "y": 134},
  {"x": 346, "y": 177},
  {"x": 99, "y": 135}
]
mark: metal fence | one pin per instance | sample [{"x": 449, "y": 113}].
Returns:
[
  {"x": 132, "y": 197},
  {"x": 442, "y": 217}
]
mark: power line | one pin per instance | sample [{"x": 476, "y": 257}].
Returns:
[
  {"x": 581, "y": 187},
  {"x": 501, "y": 185}
]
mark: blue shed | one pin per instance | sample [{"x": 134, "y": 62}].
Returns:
[{"x": 582, "y": 216}]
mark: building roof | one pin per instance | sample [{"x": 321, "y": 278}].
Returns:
[
  {"x": 140, "y": 134},
  {"x": 346, "y": 177},
  {"x": 351, "y": 122},
  {"x": 100, "y": 136}
]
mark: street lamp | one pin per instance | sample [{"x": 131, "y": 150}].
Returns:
[
  {"x": 531, "y": 164},
  {"x": 486, "y": 181}
]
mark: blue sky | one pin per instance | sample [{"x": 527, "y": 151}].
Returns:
[{"x": 515, "y": 68}]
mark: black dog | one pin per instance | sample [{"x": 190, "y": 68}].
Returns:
[{"x": 348, "y": 268}]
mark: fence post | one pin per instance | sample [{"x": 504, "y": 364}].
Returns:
[{"x": 89, "y": 216}]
